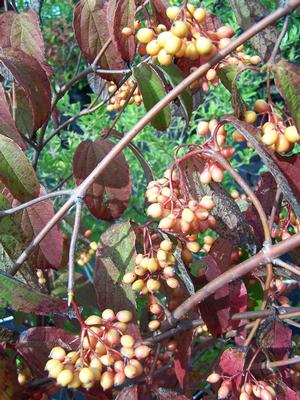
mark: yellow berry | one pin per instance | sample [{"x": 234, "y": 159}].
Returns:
[
  {"x": 204, "y": 45},
  {"x": 161, "y": 28},
  {"x": 270, "y": 137},
  {"x": 291, "y": 134},
  {"x": 130, "y": 371},
  {"x": 191, "y": 8},
  {"x": 173, "y": 45},
  {"x": 250, "y": 117},
  {"x": 93, "y": 320},
  {"x": 129, "y": 277},
  {"x": 108, "y": 314},
  {"x": 194, "y": 247},
  {"x": 153, "y": 285},
  {"x": 255, "y": 60},
  {"x": 199, "y": 14},
  {"x": 154, "y": 325},
  {"x": 58, "y": 353},
  {"x": 188, "y": 215},
  {"x": 261, "y": 106},
  {"x": 163, "y": 38},
  {"x": 127, "y": 31},
  {"x": 164, "y": 58},
  {"x": 145, "y": 35},
  {"x": 203, "y": 128},
  {"x": 153, "y": 48},
  {"x": 155, "y": 210},
  {"x": 124, "y": 316},
  {"x": 107, "y": 380},
  {"x": 191, "y": 51},
  {"x": 138, "y": 285},
  {"x": 180, "y": 29},
  {"x": 65, "y": 377},
  {"x": 166, "y": 245},
  {"x": 94, "y": 246},
  {"x": 75, "y": 384},
  {"x": 127, "y": 341},
  {"x": 282, "y": 144},
  {"x": 172, "y": 12}
]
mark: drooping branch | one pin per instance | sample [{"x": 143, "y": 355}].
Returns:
[{"x": 174, "y": 93}]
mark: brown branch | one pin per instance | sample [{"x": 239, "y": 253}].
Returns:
[
  {"x": 292, "y": 268},
  {"x": 174, "y": 93},
  {"x": 234, "y": 273}
]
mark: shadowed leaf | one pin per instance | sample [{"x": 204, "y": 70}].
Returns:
[
  {"x": 20, "y": 297},
  {"x": 16, "y": 171},
  {"x": 231, "y": 364},
  {"x": 24, "y": 114},
  {"x": 153, "y": 90},
  {"x": 92, "y": 34},
  {"x": 120, "y": 14},
  {"x": 165, "y": 394},
  {"x": 159, "y": 15},
  {"x": 115, "y": 257},
  {"x": 7, "y": 124},
  {"x": 22, "y": 31},
  {"x": 35, "y": 344},
  {"x": 182, "y": 356},
  {"x": 28, "y": 72},
  {"x": 287, "y": 80},
  {"x": 129, "y": 392},
  {"x": 108, "y": 197},
  {"x": 9, "y": 388}
]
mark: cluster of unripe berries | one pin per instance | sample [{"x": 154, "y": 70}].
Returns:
[
  {"x": 118, "y": 100},
  {"x": 258, "y": 390},
  {"x": 153, "y": 267},
  {"x": 107, "y": 354},
  {"x": 284, "y": 227},
  {"x": 277, "y": 134},
  {"x": 41, "y": 277},
  {"x": 185, "y": 218},
  {"x": 87, "y": 253}
]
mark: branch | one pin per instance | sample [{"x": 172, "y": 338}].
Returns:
[
  {"x": 293, "y": 268},
  {"x": 71, "y": 273},
  {"x": 174, "y": 93},
  {"x": 234, "y": 273},
  {"x": 30, "y": 203}
]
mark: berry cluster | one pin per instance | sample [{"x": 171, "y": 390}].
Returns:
[
  {"x": 121, "y": 95},
  {"x": 260, "y": 389},
  {"x": 107, "y": 354},
  {"x": 156, "y": 265},
  {"x": 179, "y": 215},
  {"x": 188, "y": 38},
  {"x": 87, "y": 253},
  {"x": 278, "y": 134}
]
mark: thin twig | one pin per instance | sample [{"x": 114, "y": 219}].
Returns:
[
  {"x": 279, "y": 39},
  {"x": 289, "y": 267},
  {"x": 174, "y": 93},
  {"x": 71, "y": 272},
  {"x": 30, "y": 203}
]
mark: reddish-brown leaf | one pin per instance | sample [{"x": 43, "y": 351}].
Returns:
[
  {"x": 120, "y": 14},
  {"x": 165, "y": 394},
  {"x": 28, "y": 72},
  {"x": 159, "y": 15},
  {"x": 22, "y": 31},
  {"x": 35, "y": 345},
  {"x": 215, "y": 308},
  {"x": 92, "y": 34},
  {"x": 212, "y": 22},
  {"x": 108, "y": 197},
  {"x": 238, "y": 300},
  {"x": 276, "y": 338},
  {"x": 115, "y": 257},
  {"x": 7, "y": 124},
  {"x": 9, "y": 388},
  {"x": 182, "y": 357},
  {"x": 129, "y": 392},
  {"x": 266, "y": 193},
  {"x": 34, "y": 218},
  {"x": 231, "y": 364},
  {"x": 286, "y": 393},
  {"x": 290, "y": 167},
  {"x": 24, "y": 114}
]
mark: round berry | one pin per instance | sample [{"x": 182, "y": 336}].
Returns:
[
  {"x": 291, "y": 134},
  {"x": 58, "y": 353},
  {"x": 124, "y": 316},
  {"x": 180, "y": 29},
  {"x": 108, "y": 314},
  {"x": 153, "y": 48},
  {"x": 145, "y": 35},
  {"x": 172, "y": 12},
  {"x": 199, "y": 14},
  {"x": 107, "y": 380},
  {"x": 127, "y": 341},
  {"x": 164, "y": 58},
  {"x": 65, "y": 377},
  {"x": 86, "y": 375},
  {"x": 204, "y": 45}
]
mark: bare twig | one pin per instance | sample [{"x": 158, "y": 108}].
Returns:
[
  {"x": 71, "y": 272},
  {"x": 293, "y": 268},
  {"x": 174, "y": 93},
  {"x": 279, "y": 39},
  {"x": 30, "y": 203}
]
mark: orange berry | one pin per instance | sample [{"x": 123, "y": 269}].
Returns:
[
  {"x": 107, "y": 380},
  {"x": 225, "y": 32},
  {"x": 194, "y": 247},
  {"x": 154, "y": 325},
  {"x": 250, "y": 117},
  {"x": 124, "y": 316},
  {"x": 255, "y": 60},
  {"x": 108, "y": 314},
  {"x": 127, "y": 31},
  {"x": 203, "y": 128},
  {"x": 142, "y": 352},
  {"x": 172, "y": 283},
  {"x": 187, "y": 215},
  {"x": 282, "y": 144},
  {"x": 119, "y": 378},
  {"x": 93, "y": 320},
  {"x": 213, "y": 378},
  {"x": 155, "y": 210},
  {"x": 261, "y": 106}
]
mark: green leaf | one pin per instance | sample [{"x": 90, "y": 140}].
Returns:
[
  {"x": 16, "y": 172},
  {"x": 174, "y": 76},
  {"x": 228, "y": 75},
  {"x": 153, "y": 90},
  {"x": 20, "y": 297},
  {"x": 115, "y": 257},
  {"x": 287, "y": 80}
]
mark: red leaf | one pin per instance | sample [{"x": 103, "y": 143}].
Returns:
[
  {"x": 22, "y": 31},
  {"x": 290, "y": 167},
  {"x": 120, "y": 14},
  {"x": 34, "y": 218},
  {"x": 24, "y": 115},
  {"x": 182, "y": 357},
  {"x": 129, "y": 393},
  {"x": 28, "y": 72},
  {"x": 232, "y": 364},
  {"x": 266, "y": 192},
  {"x": 35, "y": 344},
  {"x": 215, "y": 310},
  {"x": 159, "y": 15},
  {"x": 286, "y": 393},
  {"x": 277, "y": 339},
  {"x": 109, "y": 195},
  {"x": 7, "y": 124},
  {"x": 164, "y": 394},
  {"x": 92, "y": 33},
  {"x": 238, "y": 300},
  {"x": 212, "y": 23}
]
